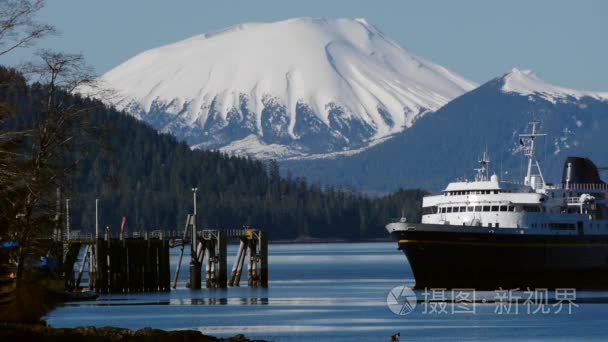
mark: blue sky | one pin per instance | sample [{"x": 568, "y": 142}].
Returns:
[{"x": 564, "y": 42}]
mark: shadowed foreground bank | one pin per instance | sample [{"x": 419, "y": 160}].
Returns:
[{"x": 40, "y": 332}]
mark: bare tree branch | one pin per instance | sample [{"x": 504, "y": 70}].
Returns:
[{"x": 18, "y": 28}]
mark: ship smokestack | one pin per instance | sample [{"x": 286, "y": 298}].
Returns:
[{"x": 578, "y": 170}]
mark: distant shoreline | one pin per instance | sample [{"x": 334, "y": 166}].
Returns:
[{"x": 326, "y": 241}]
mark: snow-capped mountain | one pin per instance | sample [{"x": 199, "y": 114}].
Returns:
[
  {"x": 297, "y": 87},
  {"x": 525, "y": 82},
  {"x": 445, "y": 145}
]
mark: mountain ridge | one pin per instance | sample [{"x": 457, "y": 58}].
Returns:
[{"x": 445, "y": 144}]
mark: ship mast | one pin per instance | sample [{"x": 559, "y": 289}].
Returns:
[
  {"x": 528, "y": 143},
  {"x": 482, "y": 172}
]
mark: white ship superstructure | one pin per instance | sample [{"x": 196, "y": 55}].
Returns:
[
  {"x": 488, "y": 234},
  {"x": 534, "y": 205}
]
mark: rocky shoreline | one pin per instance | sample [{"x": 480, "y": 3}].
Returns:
[{"x": 42, "y": 332}]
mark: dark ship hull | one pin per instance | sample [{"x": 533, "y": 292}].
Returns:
[{"x": 460, "y": 258}]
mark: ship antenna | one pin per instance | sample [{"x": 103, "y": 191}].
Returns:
[{"x": 527, "y": 141}]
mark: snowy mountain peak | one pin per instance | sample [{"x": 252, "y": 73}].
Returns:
[
  {"x": 312, "y": 85},
  {"x": 526, "y": 82}
]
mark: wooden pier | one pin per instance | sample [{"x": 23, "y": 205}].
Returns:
[{"x": 140, "y": 262}]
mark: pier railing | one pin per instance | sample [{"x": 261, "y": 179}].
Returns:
[{"x": 169, "y": 234}]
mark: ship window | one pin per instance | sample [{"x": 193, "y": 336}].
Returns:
[
  {"x": 478, "y": 208},
  {"x": 511, "y": 208},
  {"x": 497, "y": 225},
  {"x": 463, "y": 209},
  {"x": 503, "y": 208},
  {"x": 429, "y": 210},
  {"x": 562, "y": 226},
  {"x": 489, "y": 225},
  {"x": 532, "y": 208},
  {"x": 455, "y": 209},
  {"x": 495, "y": 191},
  {"x": 494, "y": 208},
  {"x": 470, "y": 208},
  {"x": 486, "y": 208},
  {"x": 449, "y": 209}
]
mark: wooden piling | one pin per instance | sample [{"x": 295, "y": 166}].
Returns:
[
  {"x": 101, "y": 254},
  {"x": 222, "y": 272},
  {"x": 165, "y": 275},
  {"x": 263, "y": 260},
  {"x": 250, "y": 275},
  {"x": 237, "y": 262}
]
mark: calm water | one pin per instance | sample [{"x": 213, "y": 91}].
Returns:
[{"x": 331, "y": 292}]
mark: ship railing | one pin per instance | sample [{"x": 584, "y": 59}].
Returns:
[
  {"x": 573, "y": 200},
  {"x": 581, "y": 186},
  {"x": 571, "y": 186}
]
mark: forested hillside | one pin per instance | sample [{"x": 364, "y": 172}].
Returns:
[{"x": 147, "y": 177}]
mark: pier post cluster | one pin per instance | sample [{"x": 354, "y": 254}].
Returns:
[
  {"x": 208, "y": 248},
  {"x": 120, "y": 265},
  {"x": 131, "y": 265},
  {"x": 212, "y": 245},
  {"x": 255, "y": 244}
]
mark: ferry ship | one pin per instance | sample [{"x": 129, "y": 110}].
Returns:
[{"x": 486, "y": 234}]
